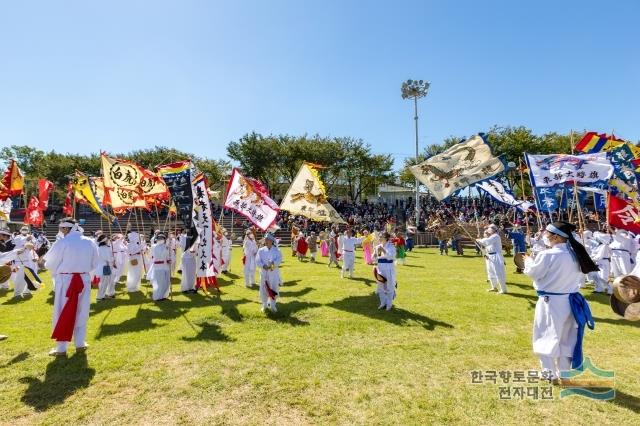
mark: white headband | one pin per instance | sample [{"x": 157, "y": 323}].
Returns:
[{"x": 66, "y": 225}]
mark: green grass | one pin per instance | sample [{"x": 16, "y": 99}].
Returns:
[{"x": 328, "y": 356}]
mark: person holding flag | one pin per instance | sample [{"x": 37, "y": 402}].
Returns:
[
  {"x": 71, "y": 260},
  {"x": 493, "y": 259},
  {"x": 561, "y": 311},
  {"x": 105, "y": 270},
  {"x": 349, "y": 243},
  {"x": 385, "y": 271},
  {"x": 268, "y": 259},
  {"x": 250, "y": 249},
  {"x": 161, "y": 260}
]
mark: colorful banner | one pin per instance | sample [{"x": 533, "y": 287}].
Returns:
[
  {"x": 121, "y": 181},
  {"x": 44, "y": 189},
  {"x": 84, "y": 193},
  {"x": 458, "y": 167},
  {"x": 12, "y": 183},
  {"x": 34, "y": 215},
  {"x": 67, "y": 209},
  {"x": 623, "y": 215},
  {"x": 248, "y": 197},
  {"x": 556, "y": 169},
  {"x": 177, "y": 177},
  {"x": 203, "y": 221},
  {"x": 307, "y": 197},
  {"x": 502, "y": 194}
]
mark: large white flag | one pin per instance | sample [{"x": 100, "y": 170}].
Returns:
[
  {"x": 584, "y": 170},
  {"x": 502, "y": 194},
  {"x": 459, "y": 166},
  {"x": 249, "y": 198},
  {"x": 307, "y": 197}
]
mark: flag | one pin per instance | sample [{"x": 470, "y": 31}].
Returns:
[
  {"x": 12, "y": 182},
  {"x": 307, "y": 197},
  {"x": 546, "y": 198},
  {"x": 203, "y": 221},
  {"x": 247, "y": 197},
  {"x": 555, "y": 169},
  {"x": 44, "y": 189},
  {"x": 67, "y": 209},
  {"x": 567, "y": 198},
  {"x": 459, "y": 166},
  {"x": 5, "y": 209},
  {"x": 502, "y": 194},
  {"x": 122, "y": 181},
  {"x": 84, "y": 193},
  {"x": 153, "y": 186},
  {"x": 623, "y": 214},
  {"x": 33, "y": 215},
  {"x": 592, "y": 142},
  {"x": 600, "y": 201},
  {"x": 177, "y": 177}
]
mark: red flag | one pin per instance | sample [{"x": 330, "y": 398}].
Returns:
[
  {"x": 67, "y": 209},
  {"x": 44, "y": 189},
  {"x": 12, "y": 182},
  {"x": 34, "y": 214},
  {"x": 623, "y": 215}
]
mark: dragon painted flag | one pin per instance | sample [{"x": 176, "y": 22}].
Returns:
[
  {"x": 249, "y": 198},
  {"x": 459, "y": 166},
  {"x": 307, "y": 197}
]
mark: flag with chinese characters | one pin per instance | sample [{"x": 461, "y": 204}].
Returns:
[
  {"x": 623, "y": 214},
  {"x": 249, "y": 198},
  {"x": 121, "y": 180},
  {"x": 34, "y": 215},
  {"x": 503, "y": 194},
  {"x": 557, "y": 169},
  {"x": 44, "y": 189},
  {"x": 624, "y": 182},
  {"x": 546, "y": 198},
  {"x": 177, "y": 177},
  {"x": 67, "y": 209},
  {"x": 203, "y": 221},
  {"x": 307, "y": 197},
  {"x": 461, "y": 165}
]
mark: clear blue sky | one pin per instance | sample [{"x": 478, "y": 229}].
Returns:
[{"x": 80, "y": 76}]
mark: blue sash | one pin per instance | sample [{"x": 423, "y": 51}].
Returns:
[
  {"x": 385, "y": 261},
  {"x": 582, "y": 315}
]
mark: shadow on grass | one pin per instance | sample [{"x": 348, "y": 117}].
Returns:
[
  {"x": 16, "y": 359},
  {"x": 63, "y": 377},
  {"x": 367, "y": 306},
  {"x": 297, "y": 293},
  {"x": 529, "y": 297},
  {"x": 617, "y": 321},
  {"x": 288, "y": 283},
  {"x": 209, "y": 332},
  {"x": 230, "y": 309},
  {"x": 286, "y": 311},
  {"x": 597, "y": 297},
  {"x": 624, "y": 400}
]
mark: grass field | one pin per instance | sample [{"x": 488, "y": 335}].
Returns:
[{"x": 328, "y": 356}]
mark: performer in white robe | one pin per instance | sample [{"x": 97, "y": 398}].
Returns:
[
  {"x": 106, "y": 261},
  {"x": 385, "y": 271},
  {"x": 27, "y": 257},
  {"x": 225, "y": 243},
  {"x": 621, "y": 249},
  {"x": 161, "y": 259},
  {"x": 494, "y": 261},
  {"x": 172, "y": 244},
  {"x": 250, "y": 249},
  {"x": 601, "y": 254},
  {"x": 536, "y": 243},
  {"x": 119, "y": 246},
  {"x": 182, "y": 244},
  {"x": 268, "y": 259},
  {"x": 71, "y": 260},
  {"x": 556, "y": 273},
  {"x": 134, "y": 272},
  {"x": 349, "y": 243},
  {"x": 188, "y": 265}
]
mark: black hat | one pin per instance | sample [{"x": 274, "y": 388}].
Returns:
[{"x": 565, "y": 230}]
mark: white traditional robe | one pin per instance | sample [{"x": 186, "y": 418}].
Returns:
[
  {"x": 349, "y": 254},
  {"x": 601, "y": 255},
  {"x": 386, "y": 267},
  {"x": 621, "y": 248},
  {"x": 494, "y": 262},
  {"x": 72, "y": 254},
  {"x": 264, "y": 258},
  {"x": 172, "y": 243},
  {"x": 134, "y": 273},
  {"x": 161, "y": 280},
  {"x": 226, "y": 253},
  {"x": 188, "y": 265},
  {"x": 554, "y": 329},
  {"x": 119, "y": 246},
  {"x": 182, "y": 245},
  {"x": 250, "y": 249},
  {"x": 106, "y": 287}
]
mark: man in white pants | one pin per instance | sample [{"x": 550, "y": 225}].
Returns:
[
  {"x": 493, "y": 259},
  {"x": 161, "y": 260},
  {"x": 385, "y": 272},
  {"x": 134, "y": 272},
  {"x": 188, "y": 265},
  {"x": 601, "y": 254},
  {"x": 226, "y": 251},
  {"x": 71, "y": 261},
  {"x": 268, "y": 259},
  {"x": 349, "y": 243},
  {"x": 250, "y": 249},
  {"x": 106, "y": 260},
  {"x": 622, "y": 247},
  {"x": 119, "y": 246}
]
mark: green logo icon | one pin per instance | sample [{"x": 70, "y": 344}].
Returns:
[{"x": 588, "y": 381}]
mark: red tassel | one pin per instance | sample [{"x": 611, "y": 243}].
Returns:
[
  {"x": 272, "y": 294},
  {"x": 63, "y": 330},
  {"x": 95, "y": 282},
  {"x": 244, "y": 259}
]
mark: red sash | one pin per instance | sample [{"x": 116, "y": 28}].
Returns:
[
  {"x": 63, "y": 331},
  {"x": 272, "y": 294}
]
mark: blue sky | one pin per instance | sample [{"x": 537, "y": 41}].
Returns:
[{"x": 80, "y": 76}]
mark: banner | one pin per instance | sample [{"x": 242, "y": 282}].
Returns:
[
  {"x": 12, "y": 183},
  {"x": 44, "y": 189},
  {"x": 459, "y": 166},
  {"x": 5, "y": 209},
  {"x": 177, "y": 177},
  {"x": 121, "y": 181},
  {"x": 307, "y": 197},
  {"x": 248, "y": 197},
  {"x": 67, "y": 209},
  {"x": 600, "y": 201},
  {"x": 503, "y": 195},
  {"x": 555, "y": 169},
  {"x": 203, "y": 221},
  {"x": 33, "y": 215},
  {"x": 546, "y": 199},
  {"x": 85, "y": 194},
  {"x": 567, "y": 198},
  {"x": 623, "y": 215}
]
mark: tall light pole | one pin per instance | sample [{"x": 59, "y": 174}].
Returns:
[{"x": 415, "y": 89}]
